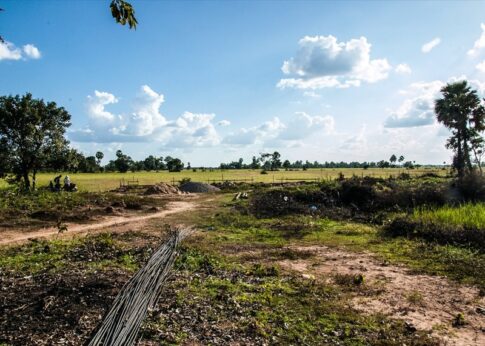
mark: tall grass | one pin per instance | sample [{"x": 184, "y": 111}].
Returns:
[{"x": 467, "y": 215}]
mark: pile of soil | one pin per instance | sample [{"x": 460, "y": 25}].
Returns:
[
  {"x": 162, "y": 189},
  {"x": 198, "y": 187}
]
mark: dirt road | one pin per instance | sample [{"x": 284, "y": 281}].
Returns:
[
  {"x": 425, "y": 302},
  {"x": 18, "y": 236}
]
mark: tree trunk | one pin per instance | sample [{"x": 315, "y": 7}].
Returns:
[
  {"x": 34, "y": 182},
  {"x": 459, "y": 155},
  {"x": 26, "y": 180}
]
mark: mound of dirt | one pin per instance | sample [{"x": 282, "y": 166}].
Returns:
[
  {"x": 198, "y": 187},
  {"x": 162, "y": 189}
]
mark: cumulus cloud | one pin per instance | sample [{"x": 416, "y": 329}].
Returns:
[
  {"x": 31, "y": 51},
  {"x": 275, "y": 132},
  {"x": 145, "y": 123},
  {"x": 246, "y": 136},
  {"x": 8, "y": 51},
  {"x": 481, "y": 66},
  {"x": 403, "y": 69},
  {"x": 428, "y": 47},
  {"x": 96, "y": 106},
  {"x": 303, "y": 125},
  {"x": 323, "y": 62},
  {"x": 479, "y": 43},
  {"x": 418, "y": 109},
  {"x": 224, "y": 123},
  {"x": 146, "y": 117},
  {"x": 192, "y": 130}
]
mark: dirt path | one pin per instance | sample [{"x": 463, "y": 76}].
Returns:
[
  {"x": 426, "y": 302},
  {"x": 18, "y": 236}
]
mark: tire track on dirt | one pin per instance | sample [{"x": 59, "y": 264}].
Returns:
[{"x": 18, "y": 236}]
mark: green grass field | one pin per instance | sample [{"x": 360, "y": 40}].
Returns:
[
  {"x": 467, "y": 215},
  {"x": 108, "y": 181}
]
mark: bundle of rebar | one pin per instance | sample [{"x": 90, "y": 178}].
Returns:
[{"x": 140, "y": 294}]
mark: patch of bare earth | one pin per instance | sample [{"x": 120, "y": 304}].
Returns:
[
  {"x": 426, "y": 302},
  {"x": 15, "y": 236}
]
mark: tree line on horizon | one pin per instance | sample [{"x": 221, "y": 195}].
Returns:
[
  {"x": 273, "y": 162},
  {"x": 32, "y": 140}
]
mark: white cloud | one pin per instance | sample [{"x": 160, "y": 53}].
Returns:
[
  {"x": 417, "y": 110},
  {"x": 224, "y": 123},
  {"x": 268, "y": 130},
  {"x": 145, "y": 123},
  {"x": 8, "y": 51},
  {"x": 481, "y": 66},
  {"x": 31, "y": 51},
  {"x": 96, "y": 106},
  {"x": 192, "y": 130},
  {"x": 403, "y": 69},
  {"x": 146, "y": 117},
  {"x": 428, "y": 47},
  {"x": 356, "y": 143},
  {"x": 479, "y": 43},
  {"x": 311, "y": 94},
  {"x": 322, "y": 62},
  {"x": 303, "y": 125}
]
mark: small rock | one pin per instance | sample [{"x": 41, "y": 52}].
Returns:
[{"x": 109, "y": 209}]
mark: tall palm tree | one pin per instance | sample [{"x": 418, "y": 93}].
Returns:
[{"x": 461, "y": 111}]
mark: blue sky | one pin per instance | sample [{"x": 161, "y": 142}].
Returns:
[{"x": 215, "y": 81}]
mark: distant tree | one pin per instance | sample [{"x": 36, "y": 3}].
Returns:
[
  {"x": 460, "y": 109},
  {"x": 99, "y": 157},
  {"x": 174, "y": 164},
  {"x": 123, "y": 162},
  {"x": 255, "y": 163},
  {"x": 188, "y": 165},
  {"x": 275, "y": 161},
  {"x": 286, "y": 165},
  {"x": 408, "y": 164},
  {"x": 271, "y": 161},
  {"x": 393, "y": 159},
  {"x": 383, "y": 164},
  {"x": 401, "y": 159},
  {"x": 31, "y": 132},
  {"x": 150, "y": 163}
]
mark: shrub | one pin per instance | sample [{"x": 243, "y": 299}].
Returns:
[{"x": 472, "y": 187}]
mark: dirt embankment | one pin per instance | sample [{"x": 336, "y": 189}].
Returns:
[{"x": 426, "y": 302}]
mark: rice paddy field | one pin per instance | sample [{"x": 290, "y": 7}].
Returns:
[{"x": 107, "y": 181}]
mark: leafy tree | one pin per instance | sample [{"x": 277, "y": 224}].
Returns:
[
  {"x": 255, "y": 163},
  {"x": 383, "y": 164},
  {"x": 31, "y": 132},
  {"x": 150, "y": 163},
  {"x": 174, "y": 164},
  {"x": 287, "y": 164},
  {"x": 393, "y": 159},
  {"x": 401, "y": 158},
  {"x": 123, "y": 12},
  {"x": 462, "y": 112},
  {"x": 123, "y": 162},
  {"x": 271, "y": 161},
  {"x": 99, "y": 157}
]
